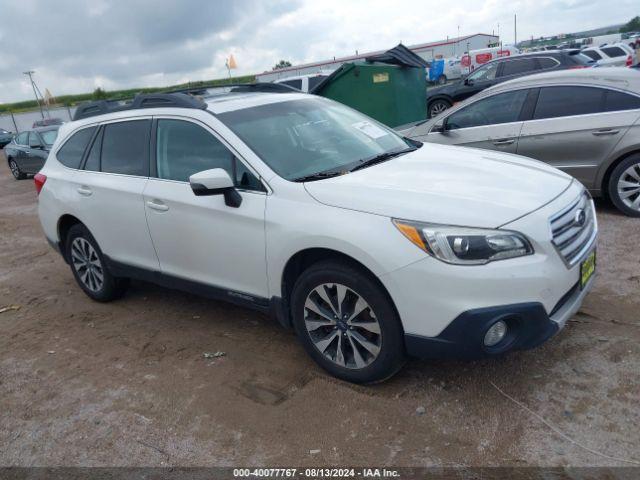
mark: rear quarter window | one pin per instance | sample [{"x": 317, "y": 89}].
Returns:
[
  {"x": 592, "y": 54},
  {"x": 616, "y": 101},
  {"x": 70, "y": 154}
]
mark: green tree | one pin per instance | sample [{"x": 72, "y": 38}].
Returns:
[
  {"x": 282, "y": 64},
  {"x": 99, "y": 94},
  {"x": 632, "y": 25}
]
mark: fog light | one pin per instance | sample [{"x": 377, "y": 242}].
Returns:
[{"x": 495, "y": 334}]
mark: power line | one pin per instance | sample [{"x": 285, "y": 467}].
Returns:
[{"x": 35, "y": 90}]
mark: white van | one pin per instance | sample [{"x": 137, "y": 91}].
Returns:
[{"x": 473, "y": 59}]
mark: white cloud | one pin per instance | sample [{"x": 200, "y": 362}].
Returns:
[{"x": 75, "y": 46}]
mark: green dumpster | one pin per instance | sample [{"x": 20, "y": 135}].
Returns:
[{"x": 392, "y": 94}]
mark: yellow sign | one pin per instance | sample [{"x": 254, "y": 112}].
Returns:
[
  {"x": 587, "y": 269},
  {"x": 380, "y": 77}
]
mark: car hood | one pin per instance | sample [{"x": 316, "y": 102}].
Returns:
[{"x": 446, "y": 185}]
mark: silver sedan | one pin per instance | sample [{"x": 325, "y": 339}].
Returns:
[{"x": 585, "y": 122}]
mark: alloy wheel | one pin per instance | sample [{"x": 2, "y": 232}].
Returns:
[
  {"x": 342, "y": 326},
  {"x": 87, "y": 264},
  {"x": 629, "y": 187},
  {"x": 15, "y": 170},
  {"x": 437, "y": 108}
]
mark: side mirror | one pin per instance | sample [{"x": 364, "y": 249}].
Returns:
[
  {"x": 440, "y": 127},
  {"x": 215, "y": 182},
  {"x": 468, "y": 81}
]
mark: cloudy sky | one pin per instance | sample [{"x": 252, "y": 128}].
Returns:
[{"x": 76, "y": 46}]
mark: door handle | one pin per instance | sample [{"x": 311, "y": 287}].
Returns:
[
  {"x": 605, "y": 131},
  {"x": 504, "y": 141},
  {"x": 160, "y": 207},
  {"x": 27, "y": 151},
  {"x": 86, "y": 191}
]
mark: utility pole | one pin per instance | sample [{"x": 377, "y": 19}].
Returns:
[
  {"x": 33, "y": 85},
  {"x": 515, "y": 30}
]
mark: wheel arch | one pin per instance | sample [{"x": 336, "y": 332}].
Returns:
[
  {"x": 65, "y": 222},
  {"x": 303, "y": 259}
]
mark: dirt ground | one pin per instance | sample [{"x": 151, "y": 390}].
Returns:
[{"x": 126, "y": 383}]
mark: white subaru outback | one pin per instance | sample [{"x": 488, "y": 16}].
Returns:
[{"x": 373, "y": 247}]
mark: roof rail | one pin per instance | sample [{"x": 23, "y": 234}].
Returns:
[
  {"x": 142, "y": 100},
  {"x": 262, "y": 87}
]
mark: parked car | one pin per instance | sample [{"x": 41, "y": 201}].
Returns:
[
  {"x": 27, "y": 151},
  {"x": 300, "y": 206},
  {"x": 500, "y": 70},
  {"x": 616, "y": 55},
  {"x": 304, "y": 83},
  {"x": 585, "y": 122},
  {"x": 5, "y": 137},
  {"x": 47, "y": 122}
]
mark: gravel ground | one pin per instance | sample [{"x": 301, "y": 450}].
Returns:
[{"x": 126, "y": 383}]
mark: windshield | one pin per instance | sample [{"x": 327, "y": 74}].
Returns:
[
  {"x": 49, "y": 136},
  {"x": 298, "y": 138}
]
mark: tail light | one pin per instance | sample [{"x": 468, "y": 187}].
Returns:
[
  {"x": 39, "y": 180},
  {"x": 629, "y": 61}
]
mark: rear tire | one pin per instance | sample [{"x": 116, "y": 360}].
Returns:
[
  {"x": 15, "y": 170},
  {"x": 356, "y": 337},
  {"x": 89, "y": 268},
  {"x": 624, "y": 186}
]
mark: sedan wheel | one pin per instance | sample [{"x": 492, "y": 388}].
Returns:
[
  {"x": 629, "y": 187},
  {"x": 437, "y": 107},
  {"x": 624, "y": 186},
  {"x": 342, "y": 325},
  {"x": 15, "y": 170}
]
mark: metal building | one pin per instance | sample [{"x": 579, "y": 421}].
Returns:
[{"x": 439, "y": 49}]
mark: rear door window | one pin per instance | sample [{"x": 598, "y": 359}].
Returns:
[
  {"x": 70, "y": 154},
  {"x": 547, "y": 62},
  {"x": 34, "y": 140},
  {"x": 614, "y": 51},
  {"x": 125, "y": 147},
  {"x": 567, "y": 101},
  {"x": 518, "y": 66},
  {"x": 501, "y": 108}
]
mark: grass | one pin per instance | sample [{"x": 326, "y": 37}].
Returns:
[{"x": 71, "y": 100}]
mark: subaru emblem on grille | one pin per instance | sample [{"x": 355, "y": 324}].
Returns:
[{"x": 580, "y": 218}]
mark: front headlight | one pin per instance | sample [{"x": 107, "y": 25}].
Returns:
[{"x": 464, "y": 245}]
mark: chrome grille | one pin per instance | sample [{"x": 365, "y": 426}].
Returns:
[{"x": 573, "y": 232}]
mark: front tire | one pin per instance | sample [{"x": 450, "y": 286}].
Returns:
[
  {"x": 89, "y": 268},
  {"x": 624, "y": 186},
  {"x": 15, "y": 170},
  {"x": 347, "y": 323}
]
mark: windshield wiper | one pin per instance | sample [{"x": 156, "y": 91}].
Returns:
[
  {"x": 382, "y": 157},
  {"x": 319, "y": 176}
]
